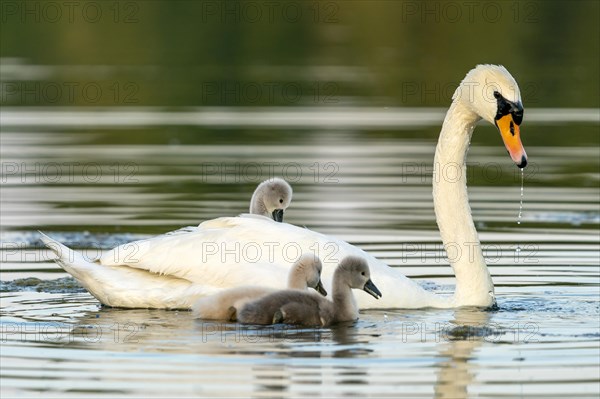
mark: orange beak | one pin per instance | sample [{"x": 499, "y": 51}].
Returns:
[{"x": 511, "y": 135}]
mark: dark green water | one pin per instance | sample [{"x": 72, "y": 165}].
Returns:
[{"x": 293, "y": 53}]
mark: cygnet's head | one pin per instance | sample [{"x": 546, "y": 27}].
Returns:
[
  {"x": 355, "y": 271},
  {"x": 309, "y": 266},
  {"x": 492, "y": 93},
  {"x": 271, "y": 198}
]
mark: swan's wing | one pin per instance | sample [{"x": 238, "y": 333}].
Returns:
[
  {"x": 225, "y": 251},
  {"x": 184, "y": 246},
  {"x": 229, "y": 252},
  {"x": 220, "y": 253}
]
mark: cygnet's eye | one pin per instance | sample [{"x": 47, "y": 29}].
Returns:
[
  {"x": 281, "y": 200},
  {"x": 362, "y": 273}
]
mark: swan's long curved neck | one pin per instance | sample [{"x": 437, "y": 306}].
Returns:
[{"x": 474, "y": 285}]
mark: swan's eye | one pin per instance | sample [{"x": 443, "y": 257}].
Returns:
[
  {"x": 497, "y": 95},
  {"x": 362, "y": 273},
  {"x": 281, "y": 200}
]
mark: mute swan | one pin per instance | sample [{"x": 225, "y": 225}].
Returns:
[
  {"x": 304, "y": 274},
  {"x": 219, "y": 252},
  {"x": 308, "y": 309}
]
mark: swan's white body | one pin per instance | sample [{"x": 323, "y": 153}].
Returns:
[
  {"x": 127, "y": 287},
  {"x": 165, "y": 271},
  {"x": 224, "y": 253}
]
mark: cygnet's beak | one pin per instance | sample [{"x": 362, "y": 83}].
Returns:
[
  {"x": 370, "y": 288},
  {"x": 278, "y": 215},
  {"x": 320, "y": 289}
]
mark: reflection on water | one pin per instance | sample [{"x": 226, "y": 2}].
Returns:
[
  {"x": 455, "y": 374},
  {"x": 266, "y": 117},
  {"x": 78, "y": 347},
  {"x": 371, "y": 187}
]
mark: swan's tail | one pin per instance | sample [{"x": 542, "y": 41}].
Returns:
[
  {"x": 123, "y": 286},
  {"x": 73, "y": 262}
]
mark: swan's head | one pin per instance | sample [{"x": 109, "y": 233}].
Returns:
[
  {"x": 492, "y": 93},
  {"x": 271, "y": 198},
  {"x": 354, "y": 270},
  {"x": 310, "y": 266}
]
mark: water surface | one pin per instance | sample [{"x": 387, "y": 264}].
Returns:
[{"x": 95, "y": 184}]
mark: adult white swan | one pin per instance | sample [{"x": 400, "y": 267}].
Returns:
[{"x": 171, "y": 270}]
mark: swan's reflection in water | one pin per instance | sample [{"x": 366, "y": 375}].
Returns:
[
  {"x": 349, "y": 359},
  {"x": 466, "y": 333},
  {"x": 318, "y": 363}
]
